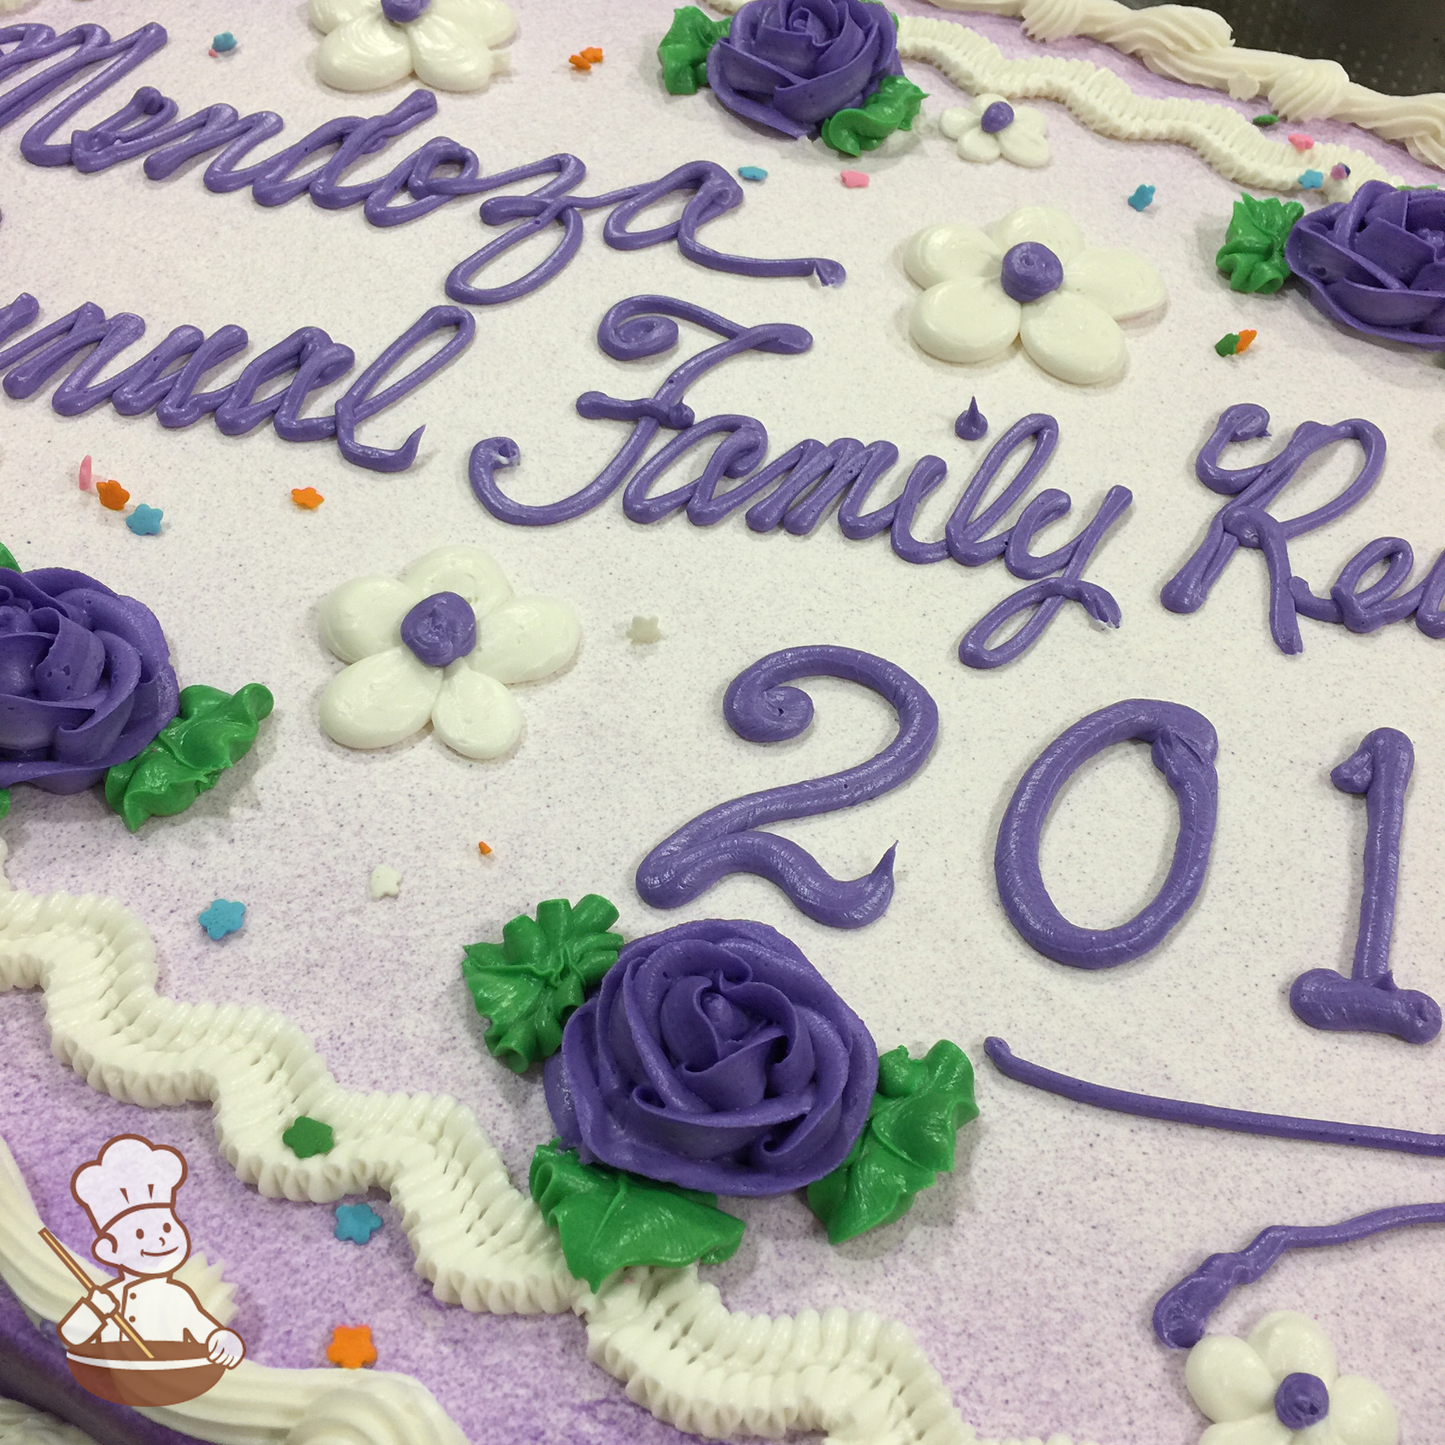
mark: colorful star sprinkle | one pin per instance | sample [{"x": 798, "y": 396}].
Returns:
[
  {"x": 1264, "y": 120},
  {"x": 85, "y": 473},
  {"x": 644, "y": 630},
  {"x": 145, "y": 521},
  {"x": 222, "y": 917},
  {"x": 1339, "y": 171},
  {"x": 385, "y": 882},
  {"x": 112, "y": 495},
  {"x": 351, "y": 1347},
  {"x": 1311, "y": 180},
  {"x": 1236, "y": 343},
  {"x": 308, "y": 498},
  {"x": 223, "y": 43},
  {"x": 1300, "y": 141},
  {"x": 854, "y": 180},
  {"x": 485, "y": 849},
  {"x": 1141, "y": 197},
  {"x": 586, "y": 59},
  {"x": 752, "y": 173},
  {"x": 307, "y": 1137},
  {"x": 356, "y": 1222}
]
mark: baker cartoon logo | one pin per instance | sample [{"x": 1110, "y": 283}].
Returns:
[{"x": 141, "y": 1339}]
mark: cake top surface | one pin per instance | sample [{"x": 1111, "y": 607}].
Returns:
[{"x": 1027, "y": 1277}]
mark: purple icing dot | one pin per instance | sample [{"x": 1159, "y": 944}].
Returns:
[
  {"x": 400, "y": 12},
  {"x": 440, "y": 629},
  {"x": 1031, "y": 270},
  {"x": 1301, "y": 1401},
  {"x": 998, "y": 116}
]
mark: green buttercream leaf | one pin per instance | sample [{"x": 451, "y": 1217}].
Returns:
[
  {"x": 683, "y": 50},
  {"x": 544, "y": 967},
  {"x": 608, "y": 1220},
  {"x": 7, "y": 558},
  {"x": 1253, "y": 252},
  {"x": 909, "y": 1140},
  {"x": 4, "y": 801},
  {"x": 893, "y": 106},
  {"x": 212, "y": 732}
]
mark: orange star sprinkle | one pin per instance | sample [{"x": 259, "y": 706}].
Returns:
[
  {"x": 484, "y": 849},
  {"x": 593, "y": 54},
  {"x": 113, "y": 496},
  {"x": 307, "y": 497},
  {"x": 351, "y": 1347},
  {"x": 579, "y": 62},
  {"x": 1245, "y": 337}
]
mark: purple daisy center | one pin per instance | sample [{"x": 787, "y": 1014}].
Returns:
[{"x": 1031, "y": 270}]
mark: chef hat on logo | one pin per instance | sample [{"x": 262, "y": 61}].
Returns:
[{"x": 129, "y": 1173}]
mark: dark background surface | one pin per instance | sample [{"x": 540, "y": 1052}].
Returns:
[{"x": 1394, "y": 46}]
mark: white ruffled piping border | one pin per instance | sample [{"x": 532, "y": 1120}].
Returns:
[
  {"x": 666, "y": 1335},
  {"x": 1196, "y": 46},
  {"x": 1104, "y": 102}
]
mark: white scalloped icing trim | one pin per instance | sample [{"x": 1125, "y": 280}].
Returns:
[
  {"x": 1196, "y": 46},
  {"x": 250, "y": 1403},
  {"x": 666, "y": 1335},
  {"x": 19, "y": 1424},
  {"x": 1104, "y": 102}
]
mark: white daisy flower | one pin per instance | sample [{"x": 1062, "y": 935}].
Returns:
[
  {"x": 992, "y": 127},
  {"x": 1283, "y": 1387},
  {"x": 441, "y": 645},
  {"x": 1029, "y": 276},
  {"x": 449, "y": 44}
]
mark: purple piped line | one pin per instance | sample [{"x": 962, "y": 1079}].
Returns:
[
  {"x": 1183, "y": 1311},
  {"x": 1368, "y": 1001},
  {"x": 1210, "y": 1116},
  {"x": 761, "y": 708}
]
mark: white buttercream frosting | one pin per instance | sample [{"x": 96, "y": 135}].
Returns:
[
  {"x": 1103, "y": 101},
  {"x": 481, "y": 1243},
  {"x": 1196, "y": 46},
  {"x": 1185, "y": 43}
]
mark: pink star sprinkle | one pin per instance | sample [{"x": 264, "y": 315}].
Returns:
[
  {"x": 1301, "y": 142},
  {"x": 854, "y": 180}
]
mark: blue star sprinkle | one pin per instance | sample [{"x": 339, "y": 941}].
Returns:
[
  {"x": 752, "y": 173},
  {"x": 1311, "y": 180},
  {"x": 223, "y": 917},
  {"x": 356, "y": 1222},
  {"x": 1141, "y": 197},
  {"x": 145, "y": 521}
]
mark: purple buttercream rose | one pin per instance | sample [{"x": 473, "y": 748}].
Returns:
[
  {"x": 790, "y": 64},
  {"x": 85, "y": 679},
  {"x": 1377, "y": 262},
  {"x": 717, "y": 1057}
]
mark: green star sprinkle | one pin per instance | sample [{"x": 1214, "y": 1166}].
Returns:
[
  {"x": 683, "y": 50},
  {"x": 909, "y": 1140},
  {"x": 543, "y": 968},
  {"x": 607, "y": 1219},
  {"x": 213, "y": 731},
  {"x": 893, "y": 106},
  {"x": 1253, "y": 252},
  {"x": 306, "y": 1137}
]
